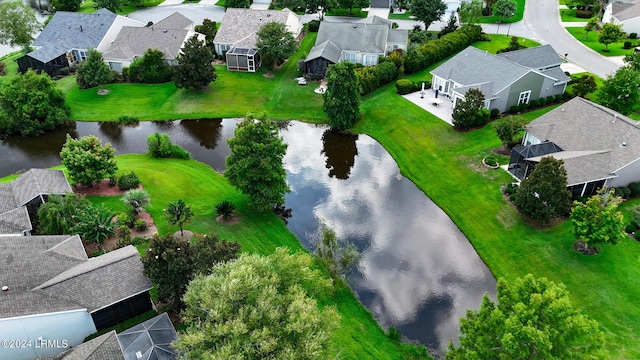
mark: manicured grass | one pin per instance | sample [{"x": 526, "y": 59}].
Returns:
[
  {"x": 605, "y": 287},
  {"x": 358, "y": 337},
  {"x": 233, "y": 94},
  {"x": 88, "y": 6},
  {"x": 495, "y": 19},
  {"x": 405, "y": 16},
  {"x": 591, "y": 41},
  {"x": 567, "y": 15},
  {"x": 499, "y": 42},
  {"x": 11, "y": 66},
  {"x": 594, "y": 95},
  {"x": 221, "y": 3},
  {"x": 356, "y": 13}
]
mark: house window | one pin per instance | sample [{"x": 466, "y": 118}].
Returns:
[
  {"x": 350, "y": 57},
  {"x": 369, "y": 60},
  {"x": 83, "y": 55},
  {"x": 524, "y": 97},
  {"x": 117, "y": 66},
  {"x": 395, "y": 47}
]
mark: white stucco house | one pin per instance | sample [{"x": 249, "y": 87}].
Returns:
[{"x": 625, "y": 13}]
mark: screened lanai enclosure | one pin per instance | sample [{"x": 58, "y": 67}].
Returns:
[
  {"x": 243, "y": 59},
  {"x": 520, "y": 166}
]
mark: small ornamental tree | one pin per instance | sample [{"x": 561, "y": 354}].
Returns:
[
  {"x": 342, "y": 97},
  {"x": 18, "y": 23},
  {"x": 87, "y": 160},
  {"x": 31, "y": 104},
  {"x": 194, "y": 69},
  {"x": 543, "y": 195},
  {"x": 275, "y": 43},
  {"x": 620, "y": 92},
  {"x": 95, "y": 225},
  {"x": 633, "y": 60},
  {"x": 609, "y": 34},
  {"x": 150, "y": 68},
  {"x": 504, "y": 9},
  {"x": 258, "y": 307},
  {"x": 470, "y": 112},
  {"x": 598, "y": 221},
  {"x": 112, "y": 5},
  {"x": 592, "y": 24},
  {"x": 93, "y": 71},
  {"x": 66, "y": 5},
  {"x": 255, "y": 163},
  {"x": 471, "y": 11},
  {"x": 507, "y": 128},
  {"x": 427, "y": 11},
  {"x": 533, "y": 319},
  {"x": 59, "y": 214},
  {"x": 586, "y": 84},
  {"x": 178, "y": 213}
]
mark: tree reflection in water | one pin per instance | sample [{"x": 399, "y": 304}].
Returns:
[{"x": 340, "y": 150}]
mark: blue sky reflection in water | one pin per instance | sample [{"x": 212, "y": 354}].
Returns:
[{"x": 418, "y": 272}]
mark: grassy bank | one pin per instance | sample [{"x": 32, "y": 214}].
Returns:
[
  {"x": 590, "y": 40},
  {"x": 499, "y": 42},
  {"x": 449, "y": 171},
  {"x": 358, "y": 337}
]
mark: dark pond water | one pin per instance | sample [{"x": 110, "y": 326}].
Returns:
[{"x": 418, "y": 273}]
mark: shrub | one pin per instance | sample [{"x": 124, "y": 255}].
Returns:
[
  {"x": 372, "y": 77},
  {"x": 510, "y": 188},
  {"x": 635, "y": 189},
  {"x": 550, "y": 100},
  {"x": 128, "y": 120},
  {"x": 618, "y": 192},
  {"x": 584, "y": 14},
  {"x": 490, "y": 161},
  {"x": 160, "y": 146},
  {"x": 128, "y": 181},
  {"x": 225, "y": 209},
  {"x": 534, "y": 103},
  {"x": 626, "y": 192},
  {"x": 63, "y": 71},
  {"x": 627, "y": 45},
  {"x": 313, "y": 25},
  {"x": 633, "y": 36},
  {"x": 140, "y": 225},
  {"x": 629, "y": 228},
  {"x": 150, "y": 68},
  {"x": 404, "y": 86},
  {"x": 558, "y": 98},
  {"x": 514, "y": 109},
  {"x": 113, "y": 181},
  {"x": 125, "y": 74},
  {"x": 495, "y": 113},
  {"x": 3, "y": 69},
  {"x": 512, "y": 197}
]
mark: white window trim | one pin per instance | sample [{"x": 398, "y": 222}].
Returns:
[
  {"x": 350, "y": 54},
  {"x": 524, "y": 95}
]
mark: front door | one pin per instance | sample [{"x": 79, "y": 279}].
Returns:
[{"x": 251, "y": 64}]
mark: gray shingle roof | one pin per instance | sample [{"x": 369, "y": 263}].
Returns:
[
  {"x": 598, "y": 132},
  {"x": 15, "y": 221},
  {"x": 328, "y": 50},
  {"x": 485, "y": 88},
  {"x": 239, "y": 26},
  {"x": 103, "y": 347},
  {"x": 375, "y": 19},
  {"x": 625, "y": 11},
  {"x": 7, "y": 200},
  {"x": 398, "y": 36},
  {"x": 72, "y": 30},
  {"x": 52, "y": 273},
  {"x": 474, "y": 66},
  {"x": 151, "y": 338},
  {"x": 134, "y": 41},
  {"x": 39, "y": 181},
  {"x": 174, "y": 21},
  {"x": 355, "y": 37},
  {"x": 539, "y": 57}
]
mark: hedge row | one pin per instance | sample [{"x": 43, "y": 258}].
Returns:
[
  {"x": 533, "y": 104},
  {"x": 425, "y": 55},
  {"x": 372, "y": 77}
]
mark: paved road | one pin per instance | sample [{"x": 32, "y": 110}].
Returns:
[{"x": 542, "y": 19}]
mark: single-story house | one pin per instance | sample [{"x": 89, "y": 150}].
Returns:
[
  {"x": 360, "y": 43},
  {"x": 625, "y": 13},
  {"x": 599, "y": 146},
  {"x": 150, "y": 340},
  {"x": 68, "y": 37},
  {"x": 52, "y": 294},
  {"x": 24, "y": 195},
  {"x": 236, "y": 38},
  {"x": 506, "y": 80},
  {"x": 168, "y": 36}
]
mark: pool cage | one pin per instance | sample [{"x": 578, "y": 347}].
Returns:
[
  {"x": 519, "y": 166},
  {"x": 243, "y": 59}
]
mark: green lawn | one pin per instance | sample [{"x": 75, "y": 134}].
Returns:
[
  {"x": 495, "y": 19},
  {"x": 405, "y": 16},
  {"x": 88, "y": 6},
  {"x": 591, "y": 41},
  {"x": 499, "y": 42},
  {"x": 567, "y": 15},
  {"x": 358, "y": 337},
  {"x": 604, "y": 286},
  {"x": 11, "y": 66},
  {"x": 356, "y": 13}
]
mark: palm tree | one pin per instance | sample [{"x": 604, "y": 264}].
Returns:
[
  {"x": 95, "y": 225},
  {"x": 136, "y": 199},
  {"x": 178, "y": 213}
]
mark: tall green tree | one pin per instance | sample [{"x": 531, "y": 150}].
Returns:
[
  {"x": 470, "y": 112},
  {"x": 255, "y": 163},
  {"x": 321, "y": 7},
  {"x": 633, "y": 60},
  {"x": 342, "y": 98},
  {"x": 60, "y": 213},
  {"x": 353, "y": 4},
  {"x": 171, "y": 263},
  {"x": 93, "y": 71},
  {"x": 18, "y": 23},
  {"x": 471, "y": 11},
  {"x": 66, "y": 5},
  {"x": 31, "y": 104},
  {"x": 275, "y": 43},
  {"x": 543, "y": 194},
  {"x": 194, "y": 69},
  {"x": 237, "y": 4},
  {"x": 533, "y": 319},
  {"x": 87, "y": 160},
  {"x": 592, "y": 24},
  {"x": 209, "y": 29},
  {"x": 427, "y": 11},
  {"x": 504, "y": 9},
  {"x": 178, "y": 213},
  {"x": 507, "y": 128},
  {"x": 610, "y": 34},
  {"x": 111, "y": 5},
  {"x": 258, "y": 307},
  {"x": 620, "y": 92},
  {"x": 95, "y": 225},
  {"x": 598, "y": 221},
  {"x": 150, "y": 68}
]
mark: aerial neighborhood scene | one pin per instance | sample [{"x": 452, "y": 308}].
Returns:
[{"x": 319, "y": 179}]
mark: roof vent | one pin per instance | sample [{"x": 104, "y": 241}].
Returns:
[
  {"x": 355, "y": 26},
  {"x": 562, "y": 109},
  {"x": 615, "y": 117},
  {"x": 138, "y": 355},
  {"x": 5, "y": 288},
  {"x": 165, "y": 30},
  {"x": 80, "y": 27},
  {"x": 268, "y": 15},
  {"x": 623, "y": 144}
]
